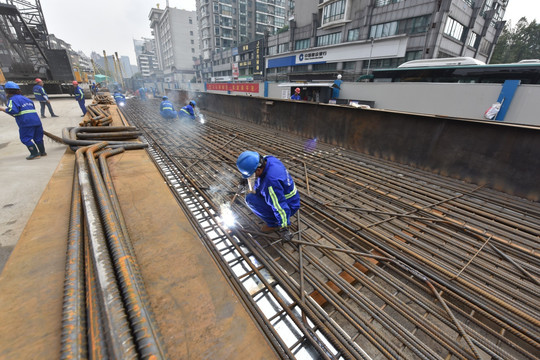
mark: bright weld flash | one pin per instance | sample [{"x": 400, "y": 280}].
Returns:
[
  {"x": 202, "y": 118},
  {"x": 227, "y": 216}
]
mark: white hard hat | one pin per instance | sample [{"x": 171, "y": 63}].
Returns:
[{"x": 339, "y": 76}]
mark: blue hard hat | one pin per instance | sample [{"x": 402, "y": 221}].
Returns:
[
  {"x": 165, "y": 98},
  {"x": 248, "y": 162},
  {"x": 12, "y": 85},
  {"x": 193, "y": 103}
]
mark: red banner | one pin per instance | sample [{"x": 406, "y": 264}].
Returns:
[{"x": 234, "y": 87}]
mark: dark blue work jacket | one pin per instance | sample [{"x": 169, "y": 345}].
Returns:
[
  {"x": 40, "y": 94},
  {"x": 277, "y": 187},
  {"x": 79, "y": 94},
  {"x": 24, "y": 111}
]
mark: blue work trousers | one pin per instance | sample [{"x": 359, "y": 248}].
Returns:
[
  {"x": 258, "y": 205},
  {"x": 29, "y": 133},
  {"x": 169, "y": 114},
  {"x": 43, "y": 104},
  {"x": 83, "y": 107}
]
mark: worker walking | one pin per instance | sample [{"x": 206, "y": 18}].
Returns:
[
  {"x": 30, "y": 127},
  {"x": 79, "y": 96},
  {"x": 275, "y": 198},
  {"x": 336, "y": 86},
  {"x": 296, "y": 95},
  {"x": 119, "y": 98},
  {"x": 166, "y": 109},
  {"x": 43, "y": 98},
  {"x": 188, "y": 111}
]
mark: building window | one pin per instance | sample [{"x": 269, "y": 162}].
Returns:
[
  {"x": 484, "y": 46},
  {"x": 283, "y": 48},
  {"x": 192, "y": 41},
  {"x": 300, "y": 68},
  {"x": 453, "y": 29},
  {"x": 469, "y": 2},
  {"x": 349, "y": 65},
  {"x": 383, "y": 30},
  {"x": 302, "y": 44},
  {"x": 190, "y": 21},
  {"x": 413, "y": 55},
  {"x": 272, "y": 50},
  {"x": 386, "y": 2},
  {"x": 472, "y": 40},
  {"x": 353, "y": 34},
  {"x": 414, "y": 25},
  {"x": 333, "y": 12},
  {"x": 193, "y": 50},
  {"x": 329, "y": 39},
  {"x": 325, "y": 67},
  {"x": 191, "y": 33}
]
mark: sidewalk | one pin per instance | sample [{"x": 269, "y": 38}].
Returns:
[{"x": 22, "y": 181}]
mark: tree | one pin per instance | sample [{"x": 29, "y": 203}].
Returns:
[{"x": 518, "y": 43}]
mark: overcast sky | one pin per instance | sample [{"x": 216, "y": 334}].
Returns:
[{"x": 111, "y": 25}]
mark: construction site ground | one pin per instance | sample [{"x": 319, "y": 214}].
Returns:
[{"x": 195, "y": 307}]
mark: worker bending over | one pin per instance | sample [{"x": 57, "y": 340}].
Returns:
[
  {"x": 119, "y": 98},
  {"x": 275, "y": 198},
  {"x": 188, "y": 111},
  {"x": 166, "y": 109},
  {"x": 30, "y": 127}
]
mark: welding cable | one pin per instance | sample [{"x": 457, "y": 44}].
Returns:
[
  {"x": 117, "y": 331},
  {"x": 144, "y": 327},
  {"x": 74, "y": 343}
]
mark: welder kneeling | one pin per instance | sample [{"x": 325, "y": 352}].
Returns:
[{"x": 274, "y": 197}]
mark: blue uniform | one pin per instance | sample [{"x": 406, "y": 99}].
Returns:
[
  {"x": 296, "y": 97},
  {"x": 335, "y": 88},
  {"x": 119, "y": 97},
  {"x": 41, "y": 95},
  {"x": 79, "y": 96},
  {"x": 275, "y": 199},
  {"x": 166, "y": 109},
  {"x": 187, "y": 112},
  {"x": 24, "y": 111},
  {"x": 142, "y": 93}
]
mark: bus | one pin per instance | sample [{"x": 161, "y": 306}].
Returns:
[{"x": 449, "y": 71}]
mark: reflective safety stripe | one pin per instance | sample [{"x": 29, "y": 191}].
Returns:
[
  {"x": 278, "y": 207},
  {"x": 37, "y": 94},
  {"x": 291, "y": 194},
  {"x": 10, "y": 105},
  {"x": 167, "y": 108},
  {"x": 187, "y": 112},
  {"x": 26, "y": 112}
]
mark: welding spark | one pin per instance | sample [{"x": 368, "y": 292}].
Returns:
[
  {"x": 227, "y": 218},
  {"x": 201, "y": 118}
]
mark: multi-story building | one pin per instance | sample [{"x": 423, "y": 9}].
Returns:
[
  {"x": 177, "y": 42},
  {"x": 353, "y": 36},
  {"x": 228, "y": 24},
  {"x": 147, "y": 62}
]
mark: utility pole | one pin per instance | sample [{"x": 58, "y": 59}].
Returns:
[
  {"x": 107, "y": 68},
  {"x": 370, "y": 53},
  {"x": 120, "y": 69}
]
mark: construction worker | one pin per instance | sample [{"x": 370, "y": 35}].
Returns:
[
  {"x": 43, "y": 98},
  {"x": 336, "y": 86},
  {"x": 188, "y": 111},
  {"x": 275, "y": 198},
  {"x": 119, "y": 98},
  {"x": 30, "y": 127},
  {"x": 296, "y": 95},
  {"x": 166, "y": 109},
  {"x": 142, "y": 93},
  {"x": 79, "y": 96}
]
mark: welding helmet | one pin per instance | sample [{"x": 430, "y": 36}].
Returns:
[
  {"x": 248, "y": 162},
  {"x": 12, "y": 85},
  {"x": 192, "y": 103},
  {"x": 297, "y": 90},
  {"x": 165, "y": 98}
]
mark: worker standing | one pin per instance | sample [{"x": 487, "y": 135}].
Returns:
[
  {"x": 30, "y": 127},
  {"x": 296, "y": 95},
  {"x": 275, "y": 198},
  {"x": 166, "y": 109},
  {"x": 43, "y": 98},
  {"x": 188, "y": 111},
  {"x": 336, "y": 86},
  {"x": 79, "y": 96}
]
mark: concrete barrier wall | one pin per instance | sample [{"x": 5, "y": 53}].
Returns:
[{"x": 504, "y": 157}]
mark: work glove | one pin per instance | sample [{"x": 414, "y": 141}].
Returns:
[
  {"x": 242, "y": 186},
  {"x": 285, "y": 234}
]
